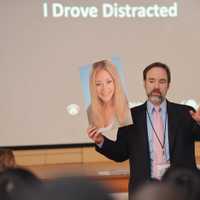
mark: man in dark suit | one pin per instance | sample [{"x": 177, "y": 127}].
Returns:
[{"x": 180, "y": 126}]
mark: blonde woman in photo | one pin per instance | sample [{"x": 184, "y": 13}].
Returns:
[{"x": 109, "y": 105}]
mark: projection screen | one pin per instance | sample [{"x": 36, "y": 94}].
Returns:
[{"x": 43, "y": 45}]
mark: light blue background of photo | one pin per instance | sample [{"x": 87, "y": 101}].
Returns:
[{"x": 85, "y": 74}]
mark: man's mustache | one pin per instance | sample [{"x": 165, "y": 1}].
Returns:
[{"x": 155, "y": 91}]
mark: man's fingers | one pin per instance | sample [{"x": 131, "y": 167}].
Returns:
[
  {"x": 92, "y": 133},
  {"x": 195, "y": 115},
  {"x": 191, "y": 112},
  {"x": 91, "y": 129},
  {"x": 96, "y": 135}
]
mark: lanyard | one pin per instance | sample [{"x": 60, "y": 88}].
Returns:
[{"x": 154, "y": 131}]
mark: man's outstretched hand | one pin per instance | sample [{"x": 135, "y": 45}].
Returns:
[{"x": 196, "y": 115}]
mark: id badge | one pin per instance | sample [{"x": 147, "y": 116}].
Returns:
[{"x": 161, "y": 169}]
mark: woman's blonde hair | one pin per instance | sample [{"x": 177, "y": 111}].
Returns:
[{"x": 119, "y": 99}]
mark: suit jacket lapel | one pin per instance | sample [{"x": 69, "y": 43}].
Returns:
[
  {"x": 144, "y": 137},
  {"x": 172, "y": 127}
]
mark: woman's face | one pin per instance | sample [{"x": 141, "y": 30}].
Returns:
[{"x": 104, "y": 86}]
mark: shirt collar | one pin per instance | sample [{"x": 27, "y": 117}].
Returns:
[{"x": 163, "y": 106}]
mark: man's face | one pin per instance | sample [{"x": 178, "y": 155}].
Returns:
[{"x": 156, "y": 85}]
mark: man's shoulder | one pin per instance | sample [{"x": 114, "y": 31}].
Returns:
[
  {"x": 138, "y": 108},
  {"x": 177, "y": 106},
  {"x": 170, "y": 105}
]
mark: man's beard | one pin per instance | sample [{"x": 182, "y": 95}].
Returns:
[{"x": 156, "y": 98}]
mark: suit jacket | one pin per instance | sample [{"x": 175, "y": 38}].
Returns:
[{"x": 132, "y": 142}]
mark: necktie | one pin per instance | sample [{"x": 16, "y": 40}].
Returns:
[{"x": 158, "y": 140}]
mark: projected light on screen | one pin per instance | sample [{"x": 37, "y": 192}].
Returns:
[{"x": 73, "y": 109}]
